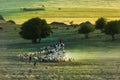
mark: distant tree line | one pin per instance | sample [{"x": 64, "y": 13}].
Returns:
[
  {"x": 35, "y": 29},
  {"x": 111, "y": 28},
  {"x": 42, "y": 8},
  {"x": 33, "y": 9}
]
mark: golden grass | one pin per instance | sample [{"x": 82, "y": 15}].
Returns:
[{"x": 66, "y": 15}]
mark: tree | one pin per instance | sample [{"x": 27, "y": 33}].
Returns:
[
  {"x": 112, "y": 28},
  {"x": 34, "y": 29},
  {"x": 86, "y": 28},
  {"x": 59, "y": 8},
  {"x": 100, "y": 24},
  {"x": 1, "y": 28},
  {"x": 1, "y": 17}
]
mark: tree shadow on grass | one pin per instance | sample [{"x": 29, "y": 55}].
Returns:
[{"x": 23, "y": 46}]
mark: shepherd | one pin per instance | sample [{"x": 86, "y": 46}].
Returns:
[
  {"x": 35, "y": 61},
  {"x": 30, "y": 58}
]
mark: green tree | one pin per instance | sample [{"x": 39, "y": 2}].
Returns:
[
  {"x": 1, "y": 17},
  {"x": 112, "y": 28},
  {"x": 100, "y": 24},
  {"x": 86, "y": 28},
  {"x": 34, "y": 29}
]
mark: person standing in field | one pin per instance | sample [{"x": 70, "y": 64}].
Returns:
[
  {"x": 35, "y": 61},
  {"x": 30, "y": 58},
  {"x": 61, "y": 44}
]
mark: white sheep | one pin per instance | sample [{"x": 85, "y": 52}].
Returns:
[
  {"x": 47, "y": 54},
  {"x": 35, "y": 58}
]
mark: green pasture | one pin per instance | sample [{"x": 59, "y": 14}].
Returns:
[{"x": 96, "y": 58}]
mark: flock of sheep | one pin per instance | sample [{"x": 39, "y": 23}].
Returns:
[{"x": 54, "y": 53}]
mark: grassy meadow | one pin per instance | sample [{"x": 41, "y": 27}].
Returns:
[{"x": 96, "y": 58}]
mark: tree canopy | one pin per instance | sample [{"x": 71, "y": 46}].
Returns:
[
  {"x": 112, "y": 28},
  {"x": 1, "y": 17},
  {"x": 86, "y": 28},
  {"x": 34, "y": 29},
  {"x": 100, "y": 24}
]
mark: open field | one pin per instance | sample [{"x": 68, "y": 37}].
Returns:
[
  {"x": 76, "y": 10},
  {"x": 65, "y": 15},
  {"x": 12, "y": 4},
  {"x": 95, "y": 59}
]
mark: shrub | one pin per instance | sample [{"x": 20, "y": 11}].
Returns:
[
  {"x": 33, "y": 9},
  {"x": 11, "y": 21},
  {"x": 1, "y": 28},
  {"x": 1, "y": 17}
]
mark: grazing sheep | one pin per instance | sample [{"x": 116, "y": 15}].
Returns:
[
  {"x": 50, "y": 53},
  {"x": 20, "y": 56},
  {"x": 35, "y": 58}
]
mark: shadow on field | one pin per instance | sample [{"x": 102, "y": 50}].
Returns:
[
  {"x": 24, "y": 46},
  {"x": 79, "y": 45},
  {"x": 8, "y": 58},
  {"x": 86, "y": 62}
]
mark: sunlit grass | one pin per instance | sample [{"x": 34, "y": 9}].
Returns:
[
  {"x": 5, "y": 4},
  {"x": 64, "y": 15}
]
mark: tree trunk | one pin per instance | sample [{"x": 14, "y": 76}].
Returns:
[
  {"x": 86, "y": 36},
  {"x": 34, "y": 40},
  {"x": 113, "y": 37},
  {"x": 39, "y": 40},
  {"x": 102, "y": 30}
]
